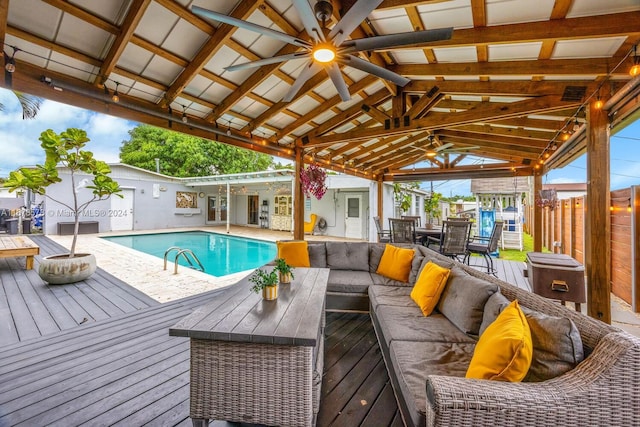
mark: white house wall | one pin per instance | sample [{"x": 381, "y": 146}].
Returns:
[{"x": 149, "y": 213}]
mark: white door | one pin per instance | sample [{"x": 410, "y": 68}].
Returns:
[
  {"x": 122, "y": 211},
  {"x": 353, "y": 218}
]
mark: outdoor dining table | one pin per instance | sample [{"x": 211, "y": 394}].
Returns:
[{"x": 423, "y": 234}]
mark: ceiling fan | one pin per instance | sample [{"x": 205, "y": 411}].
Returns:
[{"x": 330, "y": 47}]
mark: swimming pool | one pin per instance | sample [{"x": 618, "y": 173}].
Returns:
[{"x": 219, "y": 254}]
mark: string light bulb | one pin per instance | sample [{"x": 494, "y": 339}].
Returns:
[
  {"x": 635, "y": 68},
  {"x": 185, "y": 119},
  {"x": 10, "y": 64},
  {"x": 116, "y": 95}
]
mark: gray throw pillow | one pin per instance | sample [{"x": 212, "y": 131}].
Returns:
[
  {"x": 557, "y": 346},
  {"x": 463, "y": 300},
  {"x": 317, "y": 255},
  {"x": 494, "y": 305}
]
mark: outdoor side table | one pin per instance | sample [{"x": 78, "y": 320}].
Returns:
[
  {"x": 257, "y": 361},
  {"x": 556, "y": 276}
]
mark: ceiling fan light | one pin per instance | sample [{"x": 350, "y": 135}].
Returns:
[
  {"x": 431, "y": 153},
  {"x": 324, "y": 53}
]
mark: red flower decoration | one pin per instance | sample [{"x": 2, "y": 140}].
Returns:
[{"x": 312, "y": 179}]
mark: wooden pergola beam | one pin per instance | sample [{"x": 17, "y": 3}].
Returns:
[
  {"x": 134, "y": 15},
  {"x": 435, "y": 121}
]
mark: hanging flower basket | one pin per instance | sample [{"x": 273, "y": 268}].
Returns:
[
  {"x": 312, "y": 179},
  {"x": 547, "y": 199}
]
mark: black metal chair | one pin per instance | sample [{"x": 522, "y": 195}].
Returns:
[
  {"x": 454, "y": 239},
  {"x": 384, "y": 236},
  {"x": 485, "y": 246},
  {"x": 402, "y": 230}
]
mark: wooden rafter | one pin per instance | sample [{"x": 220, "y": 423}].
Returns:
[
  {"x": 134, "y": 15},
  {"x": 210, "y": 48}
]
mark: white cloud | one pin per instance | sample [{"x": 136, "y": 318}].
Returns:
[{"x": 19, "y": 144}]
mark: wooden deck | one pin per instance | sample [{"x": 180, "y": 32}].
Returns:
[
  {"x": 123, "y": 368},
  {"x": 30, "y": 308}
]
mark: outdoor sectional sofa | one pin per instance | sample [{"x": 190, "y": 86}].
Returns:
[{"x": 427, "y": 356}]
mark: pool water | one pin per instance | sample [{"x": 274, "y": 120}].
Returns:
[{"x": 219, "y": 254}]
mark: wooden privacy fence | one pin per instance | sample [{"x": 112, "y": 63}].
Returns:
[{"x": 564, "y": 230}]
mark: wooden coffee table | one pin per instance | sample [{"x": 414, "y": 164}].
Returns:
[
  {"x": 253, "y": 361},
  {"x": 15, "y": 246}
]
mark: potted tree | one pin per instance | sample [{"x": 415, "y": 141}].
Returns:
[
  {"x": 66, "y": 149},
  {"x": 267, "y": 282},
  {"x": 285, "y": 271},
  {"x": 432, "y": 207}
]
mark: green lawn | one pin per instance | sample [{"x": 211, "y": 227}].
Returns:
[{"x": 515, "y": 255}]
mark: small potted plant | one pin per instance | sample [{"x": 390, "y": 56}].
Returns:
[
  {"x": 285, "y": 271},
  {"x": 267, "y": 282}
]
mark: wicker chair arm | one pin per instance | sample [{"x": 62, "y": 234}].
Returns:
[{"x": 597, "y": 391}]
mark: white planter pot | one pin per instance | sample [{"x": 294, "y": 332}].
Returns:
[{"x": 59, "y": 269}]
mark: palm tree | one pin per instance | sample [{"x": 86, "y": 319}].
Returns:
[{"x": 30, "y": 104}]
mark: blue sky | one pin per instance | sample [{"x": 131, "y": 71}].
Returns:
[{"x": 19, "y": 144}]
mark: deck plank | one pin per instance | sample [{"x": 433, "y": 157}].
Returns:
[{"x": 30, "y": 308}]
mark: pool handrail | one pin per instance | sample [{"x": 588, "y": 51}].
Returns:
[{"x": 184, "y": 253}]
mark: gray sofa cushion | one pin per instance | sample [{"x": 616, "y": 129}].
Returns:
[
  {"x": 409, "y": 324},
  {"x": 317, "y": 255},
  {"x": 349, "y": 281},
  {"x": 413, "y": 361},
  {"x": 557, "y": 346},
  {"x": 492, "y": 308},
  {"x": 463, "y": 300},
  {"x": 390, "y": 295},
  {"x": 348, "y": 256}
]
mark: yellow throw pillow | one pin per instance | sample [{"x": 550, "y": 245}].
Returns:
[
  {"x": 396, "y": 263},
  {"x": 505, "y": 349},
  {"x": 295, "y": 253},
  {"x": 429, "y": 286}
]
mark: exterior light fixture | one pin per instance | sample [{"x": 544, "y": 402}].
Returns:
[
  {"x": 629, "y": 205},
  {"x": 324, "y": 53},
  {"x": 116, "y": 95},
  {"x": 635, "y": 68},
  {"x": 10, "y": 64}
]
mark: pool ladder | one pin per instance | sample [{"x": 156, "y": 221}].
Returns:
[{"x": 187, "y": 254}]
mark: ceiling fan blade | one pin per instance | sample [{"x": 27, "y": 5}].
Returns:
[
  {"x": 249, "y": 26},
  {"x": 311, "y": 24},
  {"x": 391, "y": 41},
  {"x": 368, "y": 67},
  {"x": 338, "y": 81},
  {"x": 310, "y": 70},
  {"x": 358, "y": 12},
  {"x": 443, "y": 147},
  {"x": 267, "y": 61}
]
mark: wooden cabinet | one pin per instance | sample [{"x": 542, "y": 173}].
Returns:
[{"x": 282, "y": 211}]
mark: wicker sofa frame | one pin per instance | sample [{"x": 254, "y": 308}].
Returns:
[{"x": 602, "y": 390}]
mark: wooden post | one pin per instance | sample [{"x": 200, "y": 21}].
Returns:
[
  {"x": 537, "y": 214},
  {"x": 298, "y": 198},
  {"x": 380, "y": 206},
  {"x": 634, "y": 202},
  {"x": 572, "y": 228},
  {"x": 598, "y": 219}
]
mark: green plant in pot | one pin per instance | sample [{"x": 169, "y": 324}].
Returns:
[
  {"x": 432, "y": 207},
  {"x": 66, "y": 150},
  {"x": 285, "y": 271},
  {"x": 265, "y": 281}
]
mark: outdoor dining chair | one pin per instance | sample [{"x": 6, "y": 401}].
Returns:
[
  {"x": 415, "y": 218},
  {"x": 384, "y": 236},
  {"x": 485, "y": 246},
  {"x": 454, "y": 239},
  {"x": 402, "y": 230}
]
